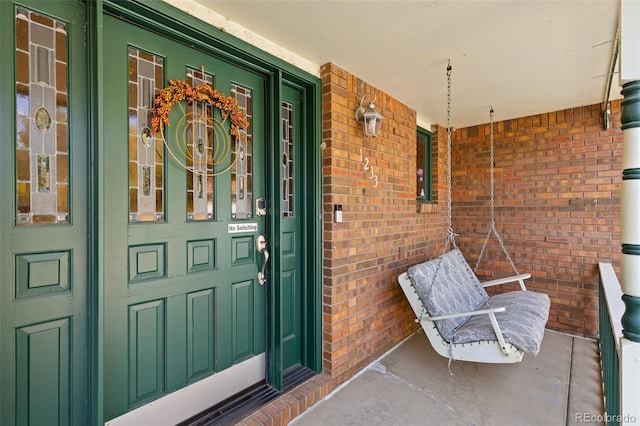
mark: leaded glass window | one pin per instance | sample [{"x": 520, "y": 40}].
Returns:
[
  {"x": 199, "y": 159},
  {"x": 146, "y": 151},
  {"x": 287, "y": 159},
  {"x": 42, "y": 125},
  {"x": 242, "y": 172}
]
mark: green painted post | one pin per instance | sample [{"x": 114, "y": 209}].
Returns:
[
  {"x": 629, "y": 75},
  {"x": 630, "y": 228}
]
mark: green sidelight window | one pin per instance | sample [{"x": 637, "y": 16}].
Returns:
[
  {"x": 423, "y": 166},
  {"x": 287, "y": 159}
]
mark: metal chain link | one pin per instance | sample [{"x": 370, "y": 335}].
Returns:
[
  {"x": 492, "y": 226},
  {"x": 451, "y": 236}
]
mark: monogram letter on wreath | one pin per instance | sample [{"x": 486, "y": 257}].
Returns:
[{"x": 193, "y": 129}]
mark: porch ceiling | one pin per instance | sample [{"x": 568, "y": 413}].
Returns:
[{"x": 522, "y": 56}]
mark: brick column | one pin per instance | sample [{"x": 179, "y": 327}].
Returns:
[{"x": 630, "y": 215}]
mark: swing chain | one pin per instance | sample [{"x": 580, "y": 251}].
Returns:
[
  {"x": 450, "y": 239},
  {"x": 492, "y": 226},
  {"x": 451, "y": 236},
  {"x": 493, "y": 164}
]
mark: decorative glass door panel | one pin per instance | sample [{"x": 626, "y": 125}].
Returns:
[
  {"x": 242, "y": 172},
  {"x": 199, "y": 155},
  {"x": 42, "y": 134},
  {"x": 288, "y": 141},
  {"x": 146, "y": 151},
  {"x": 182, "y": 301}
]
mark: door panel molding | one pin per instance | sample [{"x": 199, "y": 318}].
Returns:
[
  {"x": 200, "y": 333},
  {"x": 43, "y": 371}
]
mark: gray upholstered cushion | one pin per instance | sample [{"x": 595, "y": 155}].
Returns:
[
  {"x": 522, "y": 324},
  {"x": 454, "y": 289}
]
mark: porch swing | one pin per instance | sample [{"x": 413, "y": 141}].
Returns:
[{"x": 459, "y": 318}]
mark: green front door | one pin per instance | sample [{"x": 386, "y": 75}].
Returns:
[
  {"x": 184, "y": 312},
  {"x": 44, "y": 321}
]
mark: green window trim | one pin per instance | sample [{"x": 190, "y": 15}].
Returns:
[{"x": 424, "y": 179}]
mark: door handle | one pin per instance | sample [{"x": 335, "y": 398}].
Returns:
[{"x": 261, "y": 247}]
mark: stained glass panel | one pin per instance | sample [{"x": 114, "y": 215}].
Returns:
[
  {"x": 42, "y": 145},
  {"x": 287, "y": 159},
  {"x": 199, "y": 159},
  {"x": 146, "y": 151},
  {"x": 242, "y": 172}
]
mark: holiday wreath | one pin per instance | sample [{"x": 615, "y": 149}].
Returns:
[{"x": 180, "y": 90}]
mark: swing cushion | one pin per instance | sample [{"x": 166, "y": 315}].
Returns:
[
  {"x": 522, "y": 323},
  {"x": 456, "y": 289}
]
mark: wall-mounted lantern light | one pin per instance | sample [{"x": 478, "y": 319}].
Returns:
[{"x": 369, "y": 117}]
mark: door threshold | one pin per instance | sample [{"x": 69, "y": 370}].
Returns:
[
  {"x": 237, "y": 407},
  {"x": 295, "y": 376}
]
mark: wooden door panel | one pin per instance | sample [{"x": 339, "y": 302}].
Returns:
[
  {"x": 41, "y": 274},
  {"x": 43, "y": 372},
  {"x": 146, "y": 262},
  {"x": 201, "y": 255},
  {"x": 146, "y": 332},
  {"x": 291, "y": 326},
  {"x": 243, "y": 320},
  {"x": 200, "y": 333}
]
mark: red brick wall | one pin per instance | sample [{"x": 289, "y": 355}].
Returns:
[
  {"x": 365, "y": 311},
  {"x": 557, "y": 204}
]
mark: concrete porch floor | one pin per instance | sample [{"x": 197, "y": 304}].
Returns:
[{"x": 411, "y": 385}]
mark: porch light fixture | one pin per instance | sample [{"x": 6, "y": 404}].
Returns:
[{"x": 369, "y": 117}]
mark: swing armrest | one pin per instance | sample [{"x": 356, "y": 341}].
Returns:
[
  {"x": 499, "y": 281},
  {"x": 464, "y": 314},
  {"x": 492, "y": 317}
]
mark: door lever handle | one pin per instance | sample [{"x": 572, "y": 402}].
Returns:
[
  {"x": 261, "y": 247},
  {"x": 262, "y": 275}
]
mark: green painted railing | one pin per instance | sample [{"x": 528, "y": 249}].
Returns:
[{"x": 611, "y": 309}]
